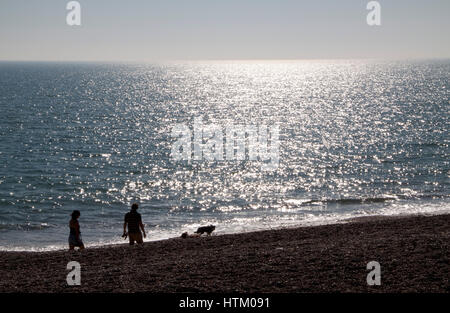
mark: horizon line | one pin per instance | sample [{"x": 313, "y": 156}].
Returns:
[{"x": 226, "y": 60}]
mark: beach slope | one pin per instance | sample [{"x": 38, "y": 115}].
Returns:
[{"x": 413, "y": 253}]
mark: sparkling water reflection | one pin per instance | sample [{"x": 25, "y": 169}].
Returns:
[{"x": 356, "y": 138}]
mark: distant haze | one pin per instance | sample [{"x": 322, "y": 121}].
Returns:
[{"x": 146, "y": 31}]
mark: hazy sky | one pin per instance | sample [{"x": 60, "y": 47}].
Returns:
[{"x": 138, "y": 30}]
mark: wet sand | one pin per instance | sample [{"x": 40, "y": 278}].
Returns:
[{"x": 413, "y": 253}]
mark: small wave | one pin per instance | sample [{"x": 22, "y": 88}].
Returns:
[
  {"x": 350, "y": 201},
  {"x": 25, "y": 226},
  {"x": 369, "y": 200}
]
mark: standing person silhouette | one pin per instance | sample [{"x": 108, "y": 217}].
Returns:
[
  {"x": 75, "y": 234},
  {"x": 134, "y": 222}
]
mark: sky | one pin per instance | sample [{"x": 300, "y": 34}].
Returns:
[{"x": 147, "y": 30}]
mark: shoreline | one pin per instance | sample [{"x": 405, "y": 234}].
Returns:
[
  {"x": 277, "y": 228},
  {"x": 413, "y": 252}
]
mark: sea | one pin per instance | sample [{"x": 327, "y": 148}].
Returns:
[{"x": 354, "y": 138}]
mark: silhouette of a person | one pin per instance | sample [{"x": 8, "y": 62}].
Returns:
[
  {"x": 75, "y": 234},
  {"x": 134, "y": 222}
]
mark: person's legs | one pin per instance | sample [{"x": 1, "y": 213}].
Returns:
[
  {"x": 139, "y": 239},
  {"x": 131, "y": 238},
  {"x": 75, "y": 242},
  {"x": 80, "y": 243}
]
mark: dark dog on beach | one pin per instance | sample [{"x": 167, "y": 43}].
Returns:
[{"x": 205, "y": 229}]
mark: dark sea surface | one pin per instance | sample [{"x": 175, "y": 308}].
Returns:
[{"x": 356, "y": 138}]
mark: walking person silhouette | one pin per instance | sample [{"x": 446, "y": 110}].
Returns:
[{"x": 134, "y": 222}]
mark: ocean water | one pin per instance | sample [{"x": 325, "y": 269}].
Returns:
[{"x": 356, "y": 138}]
